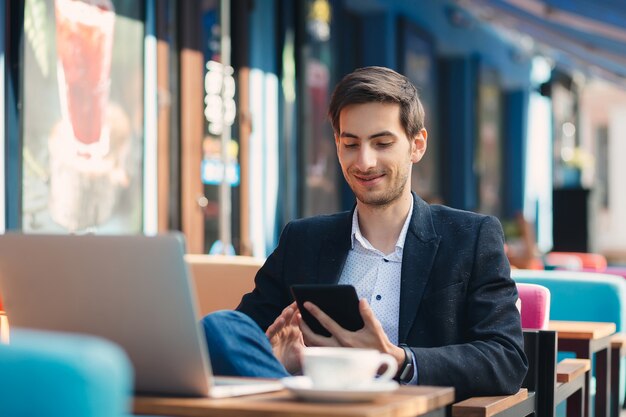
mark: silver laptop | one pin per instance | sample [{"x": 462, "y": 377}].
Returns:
[{"x": 133, "y": 290}]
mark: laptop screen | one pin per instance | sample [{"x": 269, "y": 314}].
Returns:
[{"x": 133, "y": 290}]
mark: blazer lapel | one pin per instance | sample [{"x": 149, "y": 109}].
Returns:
[
  {"x": 420, "y": 248},
  {"x": 334, "y": 251}
]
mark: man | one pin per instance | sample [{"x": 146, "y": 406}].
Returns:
[{"x": 434, "y": 282}]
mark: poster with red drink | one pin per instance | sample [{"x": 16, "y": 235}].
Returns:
[{"x": 83, "y": 116}]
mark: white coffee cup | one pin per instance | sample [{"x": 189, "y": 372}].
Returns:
[{"x": 345, "y": 368}]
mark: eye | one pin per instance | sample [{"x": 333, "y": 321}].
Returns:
[
  {"x": 384, "y": 144},
  {"x": 350, "y": 145}
]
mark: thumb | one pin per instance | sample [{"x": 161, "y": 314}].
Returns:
[{"x": 367, "y": 314}]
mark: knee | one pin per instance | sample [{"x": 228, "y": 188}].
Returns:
[
  {"x": 228, "y": 321},
  {"x": 218, "y": 317}
]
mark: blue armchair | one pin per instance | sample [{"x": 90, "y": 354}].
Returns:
[{"x": 63, "y": 375}]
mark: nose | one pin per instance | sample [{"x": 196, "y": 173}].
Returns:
[{"x": 366, "y": 159}]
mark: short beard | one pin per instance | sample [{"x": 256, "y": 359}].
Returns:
[{"x": 389, "y": 197}]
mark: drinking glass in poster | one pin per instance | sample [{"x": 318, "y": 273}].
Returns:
[{"x": 83, "y": 133}]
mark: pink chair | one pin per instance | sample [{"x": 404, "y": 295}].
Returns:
[{"x": 535, "y": 306}]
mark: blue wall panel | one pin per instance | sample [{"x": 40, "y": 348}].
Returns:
[
  {"x": 458, "y": 80},
  {"x": 376, "y": 40},
  {"x": 515, "y": 122}
]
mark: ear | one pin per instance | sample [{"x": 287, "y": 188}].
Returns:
[
  {"x": 419, "y": 145},
  {"x": 337, "y": 143}
]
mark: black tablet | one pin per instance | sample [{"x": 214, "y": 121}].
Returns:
[{"x": 339, "y": 302}]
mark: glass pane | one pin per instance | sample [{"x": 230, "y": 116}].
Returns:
[
  {"x": 2, "y": 126},
  {"x": 489, "y": 147},
  {"x": 83, "y": 116},
  {"x": 321, "y": 167},
  {"x": 219, "y": 111},
  {"x": 418, "y": 65}
]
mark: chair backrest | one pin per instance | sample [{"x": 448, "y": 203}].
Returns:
[
  {"x": 61, "y": 375},
  {"x": 535, "y": 308},
  {"x": 221, "y": 281}
]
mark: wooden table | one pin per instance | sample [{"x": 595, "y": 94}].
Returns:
[
  {"x": 585, "y": 339},
  {"x": 405, "y": 402}
]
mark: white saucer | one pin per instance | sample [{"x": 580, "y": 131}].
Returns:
[{"x": 302, "y": 387}]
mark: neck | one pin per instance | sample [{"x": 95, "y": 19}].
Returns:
[{"x": 381, "y": 225}]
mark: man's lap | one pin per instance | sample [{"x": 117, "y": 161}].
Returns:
[{"x": 238, "y": 347}]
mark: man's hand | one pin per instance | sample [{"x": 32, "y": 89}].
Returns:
[
  {"x": 286, "y": 338},
  {"x": 371, "y": 336}
]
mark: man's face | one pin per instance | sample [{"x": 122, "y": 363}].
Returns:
[{"x": 375, "y": 154}]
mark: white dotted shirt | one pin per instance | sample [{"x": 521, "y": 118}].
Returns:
[{"x": 376, "y": 277}]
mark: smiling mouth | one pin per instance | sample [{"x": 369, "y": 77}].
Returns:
[{"x": 368, "y": 178}]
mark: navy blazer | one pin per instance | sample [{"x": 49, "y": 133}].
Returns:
[{"x": 457, "y": 299}]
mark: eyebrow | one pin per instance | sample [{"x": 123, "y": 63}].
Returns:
[{"x": 375, "y": 135}]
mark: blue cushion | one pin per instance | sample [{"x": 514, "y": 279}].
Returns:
[
  {"x": 63, "y": 375},
  {"x": 582, "y": 296}
]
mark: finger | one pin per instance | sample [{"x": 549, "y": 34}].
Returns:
[
  {"x": 307, "y": 334},
  {"x": 322, "y": 317},
  {"x": 339, "y": 334},
  {"x": 283, "y": 318},
  {"x": 295, "y": 317},
  {"x": 275, "y": 327},
  {"x": 293, "y": 307},
  {"x": 370, "y": 320},
  {"x": 313, "y": 339},
  {"x": 372, "y": 335},
  {"x": 287, "y": 314},
  {"x": 289, "y": 309},
  {"x": 367, "y": 314}
]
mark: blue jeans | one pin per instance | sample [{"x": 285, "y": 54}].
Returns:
[{"x": 238, "y": 346}]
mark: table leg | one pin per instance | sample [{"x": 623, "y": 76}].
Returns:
[
  {"x": 615, "y": 364},
  {"x": 576, "y": 401},
  {"x": 582, "y": 349},
  {"x": 603, "y": 381}
]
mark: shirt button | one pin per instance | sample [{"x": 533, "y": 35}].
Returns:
[{"x": 378, "y": 297}]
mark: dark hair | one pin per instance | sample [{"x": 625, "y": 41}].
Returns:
[{"x": 380, "y": 85}]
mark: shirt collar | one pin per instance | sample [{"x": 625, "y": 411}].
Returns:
[{"x": 357, "y": 236}]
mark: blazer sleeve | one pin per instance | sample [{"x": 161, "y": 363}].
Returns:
[
  {"x": 271, "y": 292},
  {"x": 488, "y": 358}
]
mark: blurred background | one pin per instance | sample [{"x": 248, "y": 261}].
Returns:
[{"x": 209, "y": 116}]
